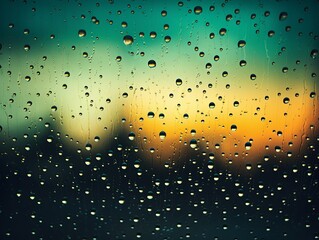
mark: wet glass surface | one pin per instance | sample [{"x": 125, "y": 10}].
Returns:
[{"x": 159, "y": 120}]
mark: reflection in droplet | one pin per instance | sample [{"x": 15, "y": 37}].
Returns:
[
  {"x": 198, "y": 10},
  {"x": 88, "y": 146},
  {"x": 179, "y": 82},
  {"x": 241, "y": 43},
  {"x": 131, "y": 136},
  {"x": 253, "y": 76},
  {"x": 314, "y": 53},
  {"x": 233, "y": 127},
  {"x": 162, "y": 135},
  {"x": 283, "y": 16},
  {"x": 193, "y": 143},
  {"x": 150, "y": 114},
  {"x": 82, "y": 33},
  {"x": 286, "y": 100},
  {"x": 151, "y": 63},
  {"x": 128, "y": 40},
  {"x": 247, "y": 145},
  {"x": 211, "y": 105}
]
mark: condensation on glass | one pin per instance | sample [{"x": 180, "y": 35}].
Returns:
[{"x": 159, "y": 120}]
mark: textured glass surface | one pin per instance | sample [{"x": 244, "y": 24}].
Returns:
[{"x": 159, "y": 119}]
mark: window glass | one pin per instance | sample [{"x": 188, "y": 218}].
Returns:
[{"x": 159, "y": 119}]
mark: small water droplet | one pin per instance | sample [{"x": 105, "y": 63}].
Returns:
[
  {"x": 211, "y": 105},
  {"x": 179, "y": 82},
  {"x": 283, "y": 16},
  {"x": 198, "y": 10},
  {"x": 88, "y": 146},
  {"x": 253, "y": 76},
  {"x": 241, "y": 43},
  {"x": 314, "y": 53},
  {"x": 151, "y": 63},
  {"x": 150, "y": 114},
  {"x": 247, "y": 145},
  {"x": 286, "y": 100},
  {"x": 193, "y": 143},
  {"x": 131, "y": 136},
  {"x": 82, "y": 33},
  {"x": 162, "y": 135},
  {"x": 128, "y": 40},
  {"x": 233, "y": 127}
]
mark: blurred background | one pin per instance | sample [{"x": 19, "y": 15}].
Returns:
[{"x": 159, "y": 119}]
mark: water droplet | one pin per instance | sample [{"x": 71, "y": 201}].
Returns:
[
  {"x": 82, "y": 33},
  {"x": 283, "y": 16},
  {"x": 131, "y": 136},
  {"x": 128, "y": 40},
  {"x": 118, "y": 58},
  {"x": 151, "y": 63},
  {"x": 236, "y": 104},
  {"x": 284, "y": 69},
  {"x": 312, "y": 94},
  {"x": 198, "y": 10},
  {"x": 247, "y": 145},
  {"x": 50, "y": 139},
  {"x": 153, "y": 34},
  {"x": 137, "y": 163},
  {"x": 167, "y": 39},
  {"x": 164, "y": 13},
  {"x": 286, "y": 100},
  {"x": 162, "y": 135},
  {"x": 150, "y": 114},
  {"x": 233, "y": 127},
  {"x": 121, "y": 200},
  {"x": 27, "y": 78},
  {"x": 241, "y": 43},
  {"x": 211, "y": 105},
  {"x": 253, "y": 76},
  {"x": 26, "y": 47},
  {"x": 88, "y": 146},
  {"x": 193, "y": 143},
  {"x": 210, "y": 164},
  {"x": 150, "y": 195},
  {"x": 314, "y": 53},
  {"x": 271, "y": 33},
  {"x": 179, "y": 82},
  {"x": 222, "y": 31},
  {"x": 87, "y": 161},
  {"x": 242, "y": 63}
]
